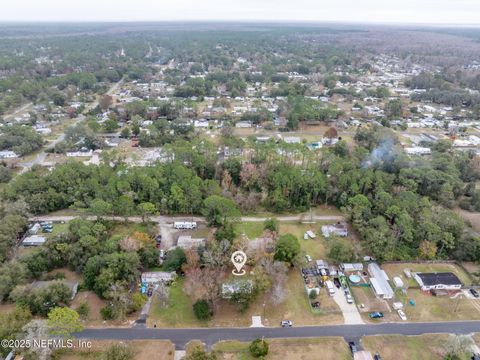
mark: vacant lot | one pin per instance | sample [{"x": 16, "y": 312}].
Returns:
[
  {"x": 396, "y": 347},
  {"x": 142, "y": 349},
  {"x": 291, "y": 349},
  {"x": 296, "y": 307}
]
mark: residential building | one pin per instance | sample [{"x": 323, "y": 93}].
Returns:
[{"x": 438, "y": 281}]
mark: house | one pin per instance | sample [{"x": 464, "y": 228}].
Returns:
[
  {"x": 379, "y": 282},
  {"x": 157, "y": 277},
  {"x": 229, "y": 289},
  {"x": 7, "y": 154},
  {"x": 335, "y": 230},
  {"x": 34, "y": 240},
  {"x": 438, "y": 281},
  {"x": 187, "y": 242},
  {"x": 72, "y": 285}
]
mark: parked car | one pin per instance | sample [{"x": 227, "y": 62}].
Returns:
[
  {"x": 376, "y": 315},
  {"x": 308, "y": 257},
  {"x": 352, "y": 346},
  {"x": 163, "y": 254},
  {"x": 286, "y": 323},
  {"x": 377, "y": 356},
  {"x": 315, "y": 304},
  {"x": 402, "y": 315},
  {"x": 348, "y": 297},
  {"x": 337, "y": 283},
  {"x": 150, "y": 292},
  {"x": 474, "y": 293}
]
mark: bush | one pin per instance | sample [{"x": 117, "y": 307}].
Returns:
[
  {"x": 83, "y": 309},
  {"x": 312, "y": 295},
  {"x": 271, "y": 224},
  {"x": 138, "y": 300},
  {"x": 175, "y": 259},
  {"x": 107, "y": 313},
  {"x": 258, "y": 348},
  {"x": 202, "y": 310}
]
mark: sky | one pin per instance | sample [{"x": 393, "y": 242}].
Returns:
[{"x": 453, "y": 12}]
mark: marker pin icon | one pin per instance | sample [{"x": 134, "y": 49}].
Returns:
[{"x": 239, "y": 259}]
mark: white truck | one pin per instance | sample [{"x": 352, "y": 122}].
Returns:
[
  {"x": 185, "y": 225},
  {"x": 330, "y": 287}
]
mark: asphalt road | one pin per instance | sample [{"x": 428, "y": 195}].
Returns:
[
  {"x": 180, "y": 337},
  {"x": 171, "y": 219}
]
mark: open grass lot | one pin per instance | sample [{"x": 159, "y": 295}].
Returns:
[
  {"x": 252, "y": 230},
  {"x": 316, "y": 248},
  {"x": 397, "y": 270},
  {"x": 296, "y": 307},
  {"x": 291, "y": 349},
  {"x": 396, "y": 347},
  {"x": 437, "y": 308},
  {"x": 142, "y": 349}
]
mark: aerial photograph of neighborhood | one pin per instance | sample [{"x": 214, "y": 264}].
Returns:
[{"x": 262, "y": 180}]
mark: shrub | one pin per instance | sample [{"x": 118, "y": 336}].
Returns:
[
  {"x": 202, "y": 310},
  {"x": 258, "y": 348}
]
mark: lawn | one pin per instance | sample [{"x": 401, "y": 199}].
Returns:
[
  {"x": 292, "y": 349},
  {"x": 251, "y": 229},
  {"x": 423, "y": 347},
  {"x": 177, "y": 313},
  {"x": 142, "y": 349},
  {"x": 316, "y": 248}
]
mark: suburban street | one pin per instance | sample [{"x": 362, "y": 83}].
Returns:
[
  {"x": 171, "y": 219},
  {"x": 180, "y": 337}
]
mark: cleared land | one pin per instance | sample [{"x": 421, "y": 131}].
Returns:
[
  {"x": 142, "y": 349},
  {"x": 291, "y": 349}
]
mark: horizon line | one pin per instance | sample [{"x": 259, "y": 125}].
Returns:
[{"x": 245, "y": 21}]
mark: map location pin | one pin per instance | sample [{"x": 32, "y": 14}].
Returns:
[{"x": 239, "y": 258}]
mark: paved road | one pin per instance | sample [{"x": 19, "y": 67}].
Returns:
[
  {"x": 210, "y": 336},
  {"x": 171, "y": 219}
]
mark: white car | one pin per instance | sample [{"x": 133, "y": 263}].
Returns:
[
  {"x": 349, "y": 298},
  {"x": 402, "y": 315},
  {"x": 308, "y": 257}
]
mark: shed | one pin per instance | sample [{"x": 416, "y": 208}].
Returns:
[
  {"x": 397, "y": 281},
  {"x": 350, "y": 267}
]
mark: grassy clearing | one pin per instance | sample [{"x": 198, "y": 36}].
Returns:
[
  {"x": 251, "y": 229},
  {"x": 142, "y": 349},
  {"x": 177, "y": 313},
  {"x": 424, "y": 347},
  {"x": 292, "y": 349}
]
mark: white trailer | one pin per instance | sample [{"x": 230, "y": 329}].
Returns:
[
  {"x": 185, "y": 225},
  {"x": 330, "y": 287}
]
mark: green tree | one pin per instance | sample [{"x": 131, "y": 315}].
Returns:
[
  {"x": 64, "y": 321},
  {"x": 83, "y": 309},
  {"x": 100, "y": 208},
  {"x": 146, "y": 209},
  {"x": 218, "y": 210},
  {"x": 287, "y": 248},
  {"x": 175, "y": 259}
]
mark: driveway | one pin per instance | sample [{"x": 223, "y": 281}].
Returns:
[{"x": 351, "y": 316}]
